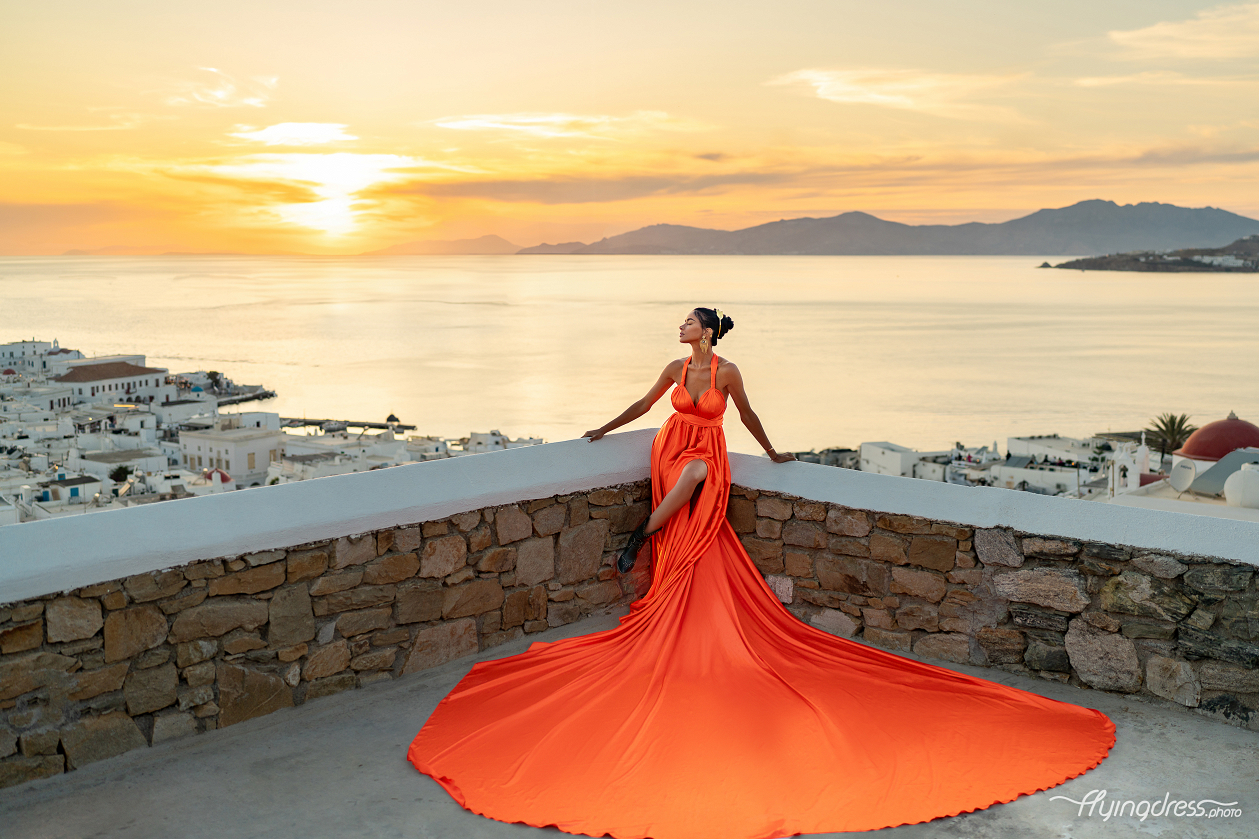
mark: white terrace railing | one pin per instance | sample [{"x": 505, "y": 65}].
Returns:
[{"x": 54, "y": 555}]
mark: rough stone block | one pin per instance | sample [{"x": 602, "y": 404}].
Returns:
[
  {"x": 407, "y": 539},
  {"x": 391, "y": 569},
  {"x": 185, "y": 599},
  {"x": 353, "y": 550},
  {"x": 1136, "y": 594},
  {"x": 550, "y": 520},
  {"x": 512, "y": 524},
  {"x": 1036, "y": 619},
  {"x": 774, "y": 508},
  {"x": 150, "y": 690},
  {"x": 580, "y": 552},
  {"x": 1218, "y": 577},
  {"x": 804, "y": 534},
  {"x": 880, "y": 618},
  {"x": 1043, "y": 655},
  {"x": 40, "y": 743},
  {"x": 464, "y": 522},
  {"x": 558, "y": 614},
  {"x": 1172, "y": 680},
  {"x": 252, "y": 581},
  {"x": 945, "y": 647},
  {"x": 934, "y": 552},
  {"x": 515, "y": 608},
  {"x": 72, "y": 619},
  {"x": 599, "y": 593},
  {"x": 333, "y": 583},
  {"x": 903, "y": 524},
  {"x": 19, "y": 770},
  {"x": 325, "y": 661},
  {"x": 98, "y": 738},
  {"x": 23, "y": 637},
  {"x": 199, "y": 674},
  {"x": 192, "y": 652},
  {"x": 331, "y": 686},
  {"x": 212, "y": 619},
  {"x": 798, "y": 564},
  {"x": 848, "y": 546},
  {"x": 852, "y": 575},
  {"x": 245, "y": 694},
  {"x": 741, "y": 513},
  {"x": 769, "y": 528},
  {"x": 356, "y": 598},
  {"x": 357, "y": 623},
  {"x": 836, "y": 623},
  {"x": 480, "y": 539},
  {"x": 172, "y": 726},
  {"x": 1001, "y": 645},
  {"x": 1041, "y": 546},
  {"x": 888, "y": 639},
  {"x": 1159, "y": 565},
  {"x": 196, "y": 697},
  {"x": 439, "y": 644},
  {"x": 417, "y": 604},
  {"x": 767, "y": 555},
  {"x": 1195, "y": 642},
  {"x": 86, "y": 684},
  {"x": 472, "y": 598},
  {"x": 1214, "y": 675},
  {"x": 889, "y": 547},
  {"x": 918, "y": 616},
  {"x": 929, "y": 585},
  {"x": 381, "y": 659},
  {"x": 134, "y": 630},
  {"x": 443, "y": 556},
  {"x": 241, "y": 641},
  {"x": 498, "y": 560},
  {"x": 1053, "y": 588},
  {"x": 263, "y": 558},
  {"x": 844, "y": 522},
  {"x": 1103, "y": 660},
  {"x": 145, "y": 587},
  {"x": 997, "y": 546}
]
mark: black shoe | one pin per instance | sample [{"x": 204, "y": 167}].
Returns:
[{"x": 638, "y": 538}]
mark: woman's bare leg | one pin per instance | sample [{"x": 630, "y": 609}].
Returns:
[{"x": 693, "y": 473}]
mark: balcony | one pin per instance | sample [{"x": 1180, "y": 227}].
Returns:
[{"x": 286, "y": 636}]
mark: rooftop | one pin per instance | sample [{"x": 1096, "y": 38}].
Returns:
[{"x": 107, "y": 370}]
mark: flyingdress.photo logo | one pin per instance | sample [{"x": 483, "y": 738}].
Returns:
[{"x": 1205, "y": 808}]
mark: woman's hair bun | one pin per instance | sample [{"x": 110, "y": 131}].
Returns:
[{"x": 726, "y": 325}]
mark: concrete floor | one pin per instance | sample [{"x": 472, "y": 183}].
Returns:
[{"x": 336, "y": 767}]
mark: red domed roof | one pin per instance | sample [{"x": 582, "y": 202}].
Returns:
[{"x": 1216, "y": 439}]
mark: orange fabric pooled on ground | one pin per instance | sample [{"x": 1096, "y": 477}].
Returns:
[{"x": 711, "y": 711}]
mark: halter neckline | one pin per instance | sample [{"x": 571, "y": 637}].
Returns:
[{"x": 712, "y": 378}]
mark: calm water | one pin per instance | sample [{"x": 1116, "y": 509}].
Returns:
[{"x": 922, "y": 351}]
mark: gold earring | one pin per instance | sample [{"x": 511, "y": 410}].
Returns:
[{"x": 703, "y": 344}]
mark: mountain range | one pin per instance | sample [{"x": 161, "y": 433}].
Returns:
[{"x": 1087, "y": 227}]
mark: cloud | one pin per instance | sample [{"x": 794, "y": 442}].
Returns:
[
  {"x": 1221, "y": 32},
  {"x": 590, "y": 127},
  {"x": 223, "y": 91},
  {"x": 938, "y": 94},
  {"x": 117, "y": 122},
  {"x": 295, "y": 133},
  {"x": 1162, "y": 78}
]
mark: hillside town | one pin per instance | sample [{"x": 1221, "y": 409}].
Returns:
[
  {"x": 80, "y": 435},
  {"x": 85, "y": 435}
]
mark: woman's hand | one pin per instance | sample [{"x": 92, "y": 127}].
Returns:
[
  {"x": 593, "y": 435},
  {"x": 778, "y": 457}
]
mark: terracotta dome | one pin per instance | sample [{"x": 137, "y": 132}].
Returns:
[{"x": 1216, "y": 439}]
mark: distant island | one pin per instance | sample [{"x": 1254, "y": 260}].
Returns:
[
  {"x": 1087, "y": 227},
  {"x": 1241, "y": 256},
  {"x": 482, "y": 245}
]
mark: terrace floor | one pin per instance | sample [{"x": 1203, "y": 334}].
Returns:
[{"x": 336, "y": 767}]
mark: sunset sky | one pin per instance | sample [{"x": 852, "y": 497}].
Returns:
[{"x": 324, "y": 127}]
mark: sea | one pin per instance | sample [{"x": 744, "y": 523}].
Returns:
[{"x": 923, "y": 351}]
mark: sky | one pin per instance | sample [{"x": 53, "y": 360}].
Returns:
[{"x": 335, "y": 128}]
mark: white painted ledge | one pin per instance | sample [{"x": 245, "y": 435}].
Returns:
[
  {"x": 59, "y": 554},
  {"x": 53, "y": 555},
  {"x": 1156, "y": 530}
]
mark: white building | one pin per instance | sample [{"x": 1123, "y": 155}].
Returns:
[
  {"x": 242, "y": 445},
  {"x": 119, "y": 381},
  {"x": 885, "y": 458},
  {"x": 31, "y": 358}
]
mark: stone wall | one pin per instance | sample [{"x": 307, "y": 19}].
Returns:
[
  {"x": 1180, "y": 628},
  {"x": 94, "y": 672}
]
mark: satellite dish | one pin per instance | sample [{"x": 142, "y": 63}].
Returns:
[{"x": 1182, "y": 475}]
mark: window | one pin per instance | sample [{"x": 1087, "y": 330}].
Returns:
[
  {"x": 251, "y": 462},
  {"x": 272, "y": 456},
  {"x": 227, "y": 464}
]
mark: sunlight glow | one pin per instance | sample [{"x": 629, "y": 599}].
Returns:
[{"x": 295, "y": 133}]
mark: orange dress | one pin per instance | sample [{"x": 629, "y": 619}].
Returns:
[{"x": 712, "y": 711}]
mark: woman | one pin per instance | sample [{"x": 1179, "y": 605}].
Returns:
[{"x": 712, "y": 711}]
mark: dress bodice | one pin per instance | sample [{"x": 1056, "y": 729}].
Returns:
[{"x": 710, "y": 406}]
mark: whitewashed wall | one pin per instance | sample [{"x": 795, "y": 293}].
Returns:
[{"x": 54, "y": 555}]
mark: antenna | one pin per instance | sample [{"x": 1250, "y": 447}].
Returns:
[{"x": 1182, "y": 475}]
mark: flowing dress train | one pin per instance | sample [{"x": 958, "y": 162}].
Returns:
[{"x": 712, "y": 711}]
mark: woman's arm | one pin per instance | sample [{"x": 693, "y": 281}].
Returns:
[
  {"x": 734, "y": 384},
  {"x": 668, "y": 376}
]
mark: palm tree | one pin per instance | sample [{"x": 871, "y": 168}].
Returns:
[{"x": 1170, "y": 431}]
